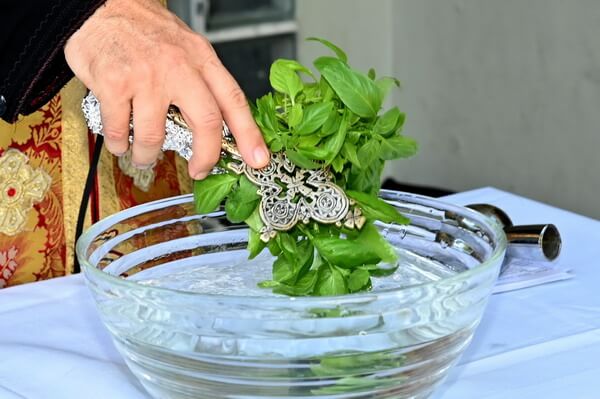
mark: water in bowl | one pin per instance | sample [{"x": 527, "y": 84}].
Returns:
[
  {"x": 358, "y": 351},
  {"x": 232, "y": 273}
]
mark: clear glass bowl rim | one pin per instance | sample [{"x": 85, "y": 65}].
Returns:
[{"x": 88, "y": 236}]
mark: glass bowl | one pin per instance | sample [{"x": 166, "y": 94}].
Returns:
[{"x": 181, "y": 301}]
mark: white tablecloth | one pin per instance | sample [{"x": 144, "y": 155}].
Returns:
[{"x": 539, "y": 342}]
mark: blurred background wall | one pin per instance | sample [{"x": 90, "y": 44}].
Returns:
[{"x": 502, "y": 93}]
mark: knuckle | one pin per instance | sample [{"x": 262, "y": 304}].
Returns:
[
  {"x": 144, "y": 71},
  {"x": 150, "y": 139},
  {"x": 177, "y": 57},
  {"x": 203, "y": 46},
  {"x": 211, "y": 121},
  {"x": 115, "y": 134},
  {"x": 238, "y": 98},
  {"x": 113, "y": 78},
  {"x": 211, "y": 61},
  {"x": 117, "y": 81}
]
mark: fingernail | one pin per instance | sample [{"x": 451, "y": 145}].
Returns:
[
  {"x": 261, "y": 155},
  {"x": 200, "y": 175}
]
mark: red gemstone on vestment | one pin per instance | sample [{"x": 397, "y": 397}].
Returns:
[{"x": 11, "y": 192}]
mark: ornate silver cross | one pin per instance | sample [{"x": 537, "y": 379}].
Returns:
[{"x": 288, "y": 194}]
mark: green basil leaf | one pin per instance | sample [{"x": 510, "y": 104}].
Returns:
[
  {"x": 358, "y": 279},
  {"x": 330, "y": 282},
  {"x": 334, "y": 144},
  {"x": 355, "y": 364},
  {"x": 370, "y": 237},
  {"x": 295, "y": 115},
  {"x": 242, "y": 201},
  {"x": 338, "y": 164},
  {"x": 276, "y": 145},
  {"x": 287, "y": 244},
  {"x": 301, "y": 160},
  {"x": 306, "y": 284},
  {"x": 266, "y": 117},
  {"x": 345, "y": 253},
  {"x": 283, "y": 269},
  {"x": 315, "y": 116},
  {"x": 387, "y": 122},
  {"x": 268, "y": 284},
  {"x": 255, "y": 244},
  {"x": 304, "y": 257},
  {"x": 338, "y": 51},
  {"x": 377, "y": 271},
  {"x": 308, "y": 142},
  {"x": 356, "y": 90},
  {"x": 400, "y": 122},
  {"x": 369, "y": 152},
  {"x": 386, "y": 84},
  {"x": 285, "y": 79},
  {"x": 209, "y": 192},
  {"x": 354, "y": 136},
  {"x": 254, "y": 221},
  {"x": 312, "y": 93},
  {"x": 372, "y": 74},
  {"x": 398, "y": 147},
  {"x": 327, "y": 93},
  {"x": 367, "y": 180},
  {"x": 303, "y": 286},
  {"x": 295, "y": 66},
  {"x": 374, "y": 208},
  {"x": 273, "y": 248},
  {"x": 315, "y": 153},
  {"x": 349, "y": 152},
  {"x": 332, "y": 124},
  {"x": 269, "y": 135},
  {"x": 353, "y": 119}
]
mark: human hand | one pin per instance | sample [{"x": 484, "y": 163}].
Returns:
[{"x": 136, "y": 55}]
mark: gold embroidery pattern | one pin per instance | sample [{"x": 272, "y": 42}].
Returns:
[
  {"x": 8, "y": 265},
  {"x": 74, "y": 143},
  {"x": 20, "y": 188}
]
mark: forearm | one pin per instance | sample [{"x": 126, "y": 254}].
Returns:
[{"x": 32, "y": 37}]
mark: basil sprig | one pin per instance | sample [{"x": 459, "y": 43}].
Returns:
[{"x": 332, "y": 121}]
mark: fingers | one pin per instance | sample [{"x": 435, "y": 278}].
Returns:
[
  {"x": 149, "y": 116},
  {"x": 236, "y": 112},
  {"x": 206, "y": 94},
  {"x": 115, "y": 122},
  {"x": 201, "y": 112}
]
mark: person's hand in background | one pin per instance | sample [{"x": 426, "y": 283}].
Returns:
[{"x": 136, "y": 55}]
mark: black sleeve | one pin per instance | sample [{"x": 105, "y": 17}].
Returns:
[{"x": 32, "y": 62}]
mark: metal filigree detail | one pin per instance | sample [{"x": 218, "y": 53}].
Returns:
[{"x": 289, "y": 194}]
